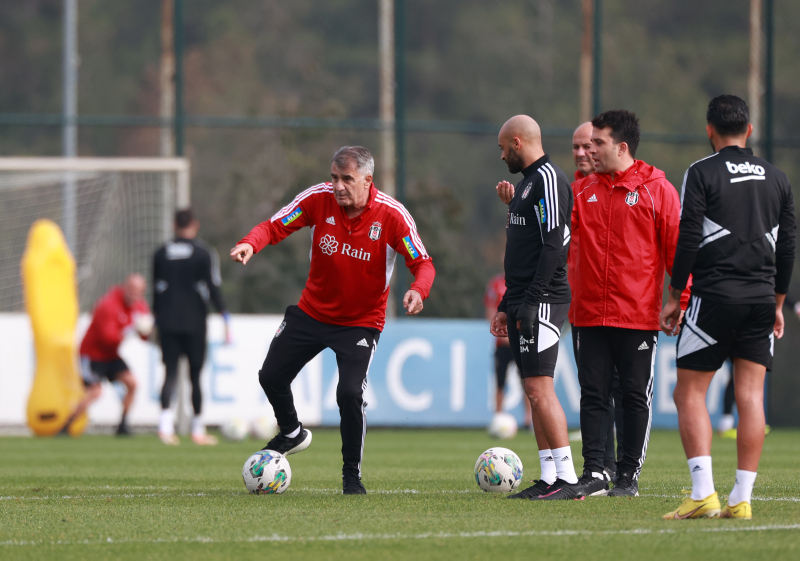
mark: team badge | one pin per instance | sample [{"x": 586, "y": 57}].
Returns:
[
  {"x": 632, "y": 198},
  {"x": 280, "y": 328},
  {"x": 375, "y": 231},
  {"x": 527, "y": 190}
]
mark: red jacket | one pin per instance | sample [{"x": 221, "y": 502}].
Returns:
[
  {"x": 110, "y": 319},
  {"x": 627, "y": 229},
  {"x": 351, "y": 260}
]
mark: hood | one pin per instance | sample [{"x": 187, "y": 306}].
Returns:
[{"x": 636, "y": 175}]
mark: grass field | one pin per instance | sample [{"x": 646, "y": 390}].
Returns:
[{"x": 100, "y": 497}]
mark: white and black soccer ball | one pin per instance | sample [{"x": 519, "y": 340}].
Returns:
[
  {"x": 267, "y": 472},
  {"x": 503, "y": 426},
  {"x": 264, "y": 428},
  {"x": 498, "y": 470},
  {"x": 235, "y": 429}
]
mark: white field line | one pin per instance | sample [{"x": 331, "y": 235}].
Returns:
[
  {"x": 331, "y": 491},
  {"x": 406, "y": 537}
]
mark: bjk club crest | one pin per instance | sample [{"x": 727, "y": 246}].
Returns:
[
  {"x": 527, "y": 190},
  {"x": 632, "y": 198},
  {"x": 375, "y": 231}
]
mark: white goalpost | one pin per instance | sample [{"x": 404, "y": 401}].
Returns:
[{"x": 114, "y": 213}]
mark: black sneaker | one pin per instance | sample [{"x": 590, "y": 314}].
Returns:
[
  {"x": 562, "y": 491},
  {"x": 611, "y": 474},
  {"x": 286, "y": 445},
  {"x": 351, "y": 485},
  {"x": 594, "y": 486},
  {"x": 626, "y": 486},
  {"x": 539, "y": 487},
  {"x": 123, "y": 430}
]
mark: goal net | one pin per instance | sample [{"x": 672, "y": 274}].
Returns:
[{"x": 114, "y": 213}]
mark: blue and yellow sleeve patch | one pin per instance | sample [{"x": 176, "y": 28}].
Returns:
[
  {"x": 412, "y": 251},
  {"x": 542, "y": 211},
  {"x": 292, "y": 216}
]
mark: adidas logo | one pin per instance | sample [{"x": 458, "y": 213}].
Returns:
[
  {"x": 697, "y": 468},
  {"x": 592, "y": 199},
  {"x": 565, "y": 459},
  {"x": 643, "y": 346},
  {"x": 363, "y": 343},
  {"x": 549, "y": 459},
  {"x": 330, "y": 220}
]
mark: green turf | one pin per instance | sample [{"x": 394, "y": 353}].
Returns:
[{"x": 100, "y": 497}]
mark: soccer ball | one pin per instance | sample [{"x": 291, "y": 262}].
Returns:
[
  {"x": 264, "y": 428},
  {"x": 503, "y": 426},
  {"x": 235, "y": 429},
  {"x": 266, "y": 473},
  {"x": 498, "y": 470}
]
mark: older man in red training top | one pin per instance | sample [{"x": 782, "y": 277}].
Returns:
[
  {"x": 357, "y": 232},
  {"x": 625, "y": 218}
]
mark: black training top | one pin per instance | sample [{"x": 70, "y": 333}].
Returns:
[
  {"x": 185, "y": 277},
  {"x": 737, "y": 233},
  {"x": 537, "y": 237}
]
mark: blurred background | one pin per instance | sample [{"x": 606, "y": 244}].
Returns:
[{"x": 261, "y": 92}]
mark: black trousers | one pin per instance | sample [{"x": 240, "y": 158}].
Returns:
[
  {"x": 614, "y": 415},
  {"x": 299, "y": 339},
  {"x": 632, "y": 353},
  {"x": 173, "y": 345}
]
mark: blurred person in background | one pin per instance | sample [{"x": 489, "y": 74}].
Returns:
[
  {"x": 503, "y": 356},
  {"x": 357, "y": 233},
  {"x": 625, "y": 218},
  {"x": 534, "y": 306},
  {"x": 737, "y": 240},
  {"x": 122, "y": 311},
  {"x": 185, "y": 278}
]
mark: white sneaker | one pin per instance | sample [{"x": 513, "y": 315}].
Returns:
[{"x": 169, "y": 439}]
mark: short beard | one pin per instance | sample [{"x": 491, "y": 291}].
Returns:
[{"x": 514, "y": 161}]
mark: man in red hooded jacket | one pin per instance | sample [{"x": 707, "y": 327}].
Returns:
[{"x": 626, "y": 215}]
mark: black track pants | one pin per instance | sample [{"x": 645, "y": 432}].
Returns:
[
  {"x": 614, "y": 412},
  {"x": 632, "y": 352},
  {"x": 299, "y": 339},
  {"x": 173, "y": 345}
]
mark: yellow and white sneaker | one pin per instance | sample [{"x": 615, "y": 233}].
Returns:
[
  {"x": 690, "y": 508},
  {"x": 730, "y": 433},
  {"x": 743, "y": 510}
]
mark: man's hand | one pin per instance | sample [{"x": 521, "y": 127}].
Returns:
[
  {"x": 779, "y": 322},
  {"x": 527, "y": 316},
  {"x": 670, "y": 317},
  {"x": 412, "y": 302},
  {"x": 499, "y": 325},
  {"x": 242, "y": 253},
  {"x": 505, "y": 191}
]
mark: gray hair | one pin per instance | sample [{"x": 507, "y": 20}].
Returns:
[{"x": 357, "y": 155}]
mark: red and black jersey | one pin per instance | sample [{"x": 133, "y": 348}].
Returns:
[
  {"x": 352, "y": 260},
  {"x": 110, "y": 319}
]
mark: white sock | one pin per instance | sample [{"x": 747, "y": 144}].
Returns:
[
  {"x": 198, "y": 426},
  {"x": 548, "y": 466},
  {"x": 165, "y": 423},
  {"x": 702, "y": 478},
  {"x": 725, "y": 423},
  {"x": 295, "y": 432},
  {"x": 743, "y": 488},
  {"x": 564, "y": 468}
]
